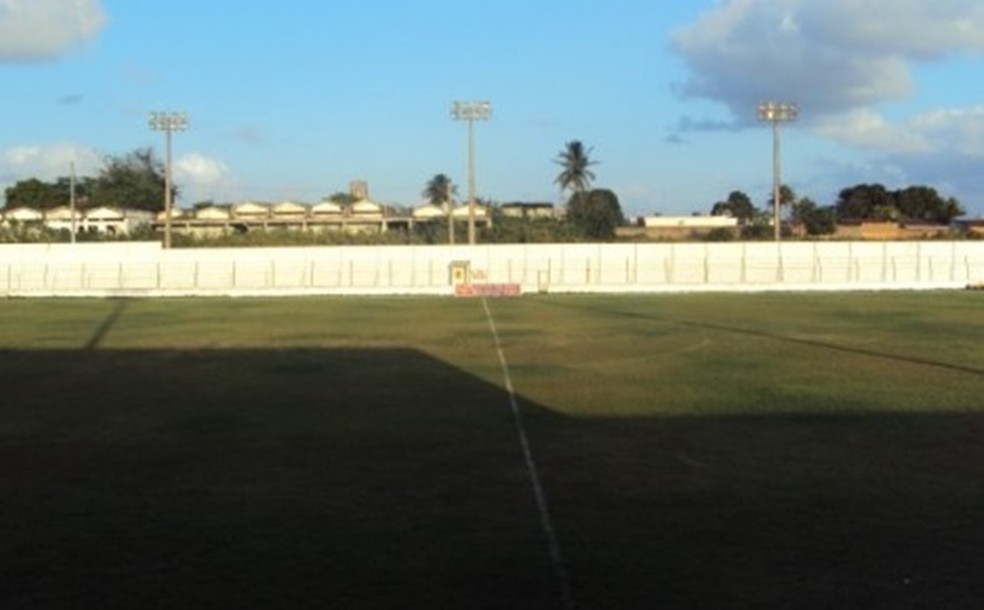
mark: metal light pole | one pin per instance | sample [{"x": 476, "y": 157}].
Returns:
[
  {"x": 71, "y": 200},
  {"x": 450, "y": 203},
  {"x": 471, "y": 112},
  {"x": 168, "y": 122},
  {"x": 775, "y": 113}
]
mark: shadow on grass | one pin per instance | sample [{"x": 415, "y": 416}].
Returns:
[
  {"x": 388, "y": 479},
  {"x": 97, "y": 337},
  {"x": 704, "y": 325}
]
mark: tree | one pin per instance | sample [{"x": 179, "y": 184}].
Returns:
[
  {"x": 439, "y": 189},
  {"x": 596, "y": 214},
  {"x": 924, "y": 203},
  {"x": 738, "y": 205},
  {"x": 865, "y": 201},
  {"x": 787, "y": 196},
  {"x": 341, "y": 197},
  {"x": 135, "y": 181},
  {"x": 33, "y": 193},
  {"x": 816, "y": 220},
  {"x": 874, "y": 201},
  {"x": 575, "y": 175}
]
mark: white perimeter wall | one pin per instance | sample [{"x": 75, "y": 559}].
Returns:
[{"x": 144, "y": 269}]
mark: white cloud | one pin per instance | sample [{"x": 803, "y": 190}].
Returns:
[
  {"x": 200, "y": 177},
  {"x": 915, "y": 29},
  {"x": 43, "y": 29},
  {"x": 831, "y": 56},
  {"x": 48, "y": 162},
  {"x": 202, "y": 170},
  {"x": 866, "y": 129},
  {"x": 842, "y": 61},
  {"x": 958, "y": 130}
]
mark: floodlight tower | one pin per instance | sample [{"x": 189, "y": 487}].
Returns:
[
  {"x": 471, "y": 112},
  {"x": 168, "y": 122},
  {"x": 776, "y": 113}
]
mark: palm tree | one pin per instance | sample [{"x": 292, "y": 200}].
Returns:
[
  {"x": 439, "y": 189},
  {"x": 575, "y": 175}
]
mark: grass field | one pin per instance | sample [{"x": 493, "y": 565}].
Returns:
[{"x": 695, "y": 451}]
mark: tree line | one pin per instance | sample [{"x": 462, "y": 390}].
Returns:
[
  {"x": 134, "y": 180},
  {"x": 591, "y": 213},
  {"x": 860, "y": 202}
]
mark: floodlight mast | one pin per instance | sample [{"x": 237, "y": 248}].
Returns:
[
  {"x": 775, "y": 113},
  {"x": 471, "y": 112},
  {"x": 168, "y": 122}
]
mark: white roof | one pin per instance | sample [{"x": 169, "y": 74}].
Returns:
[
  {"x": 326, "y": 207},
  {"x": 462, "y": 212},
  {"x": 62, "y": 212},
  {"x": 23, "y": 213},
  {"x": 429, "y": 210},
  {"x": 251, "y": 209},
  {"x": 290, "y": 207},
  {"x": 364, "y": 206},
  {"x": 690, "y": 221},
  {"x": 213, "y": 212}
]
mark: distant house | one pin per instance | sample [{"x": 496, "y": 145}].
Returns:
[
  {"x": 364, "y": 208},
  {"x": 250, "y": 211},
  {"x": 108, "y": 220},
  {"x": 969, "y": 225},
  {"x": 681, "y": 227},
  {"x": 462, "y": 213},
  {"x": 22, "y": 214},
  {"x": 528, "y": 210},
  {"x": 115, "y": 221},
  {"x": 290, "y": 209},
  {"x": 429, "y": 211},
  {"x": 326, "y": 209},
  {"x": 213, "y": 212}
]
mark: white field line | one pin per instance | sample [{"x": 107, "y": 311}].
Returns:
[{"x": 553, "y": 546}]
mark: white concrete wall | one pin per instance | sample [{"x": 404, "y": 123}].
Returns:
[{"x": 144, "y": 269}]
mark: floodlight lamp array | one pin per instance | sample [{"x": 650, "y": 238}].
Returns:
[
  {"x": 168, "y": 121},
  {"x": 471, "y": 111},
  {"x": 776, "y": 112}
]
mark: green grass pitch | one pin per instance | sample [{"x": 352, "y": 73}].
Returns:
[{"x": 696, "y": 451}]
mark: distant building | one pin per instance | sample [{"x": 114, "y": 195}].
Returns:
[
  {"x": 678, "y": 227},
  {"x": 105, "y": 220},
  {"x": 969, "y": 225},
  {"x": 528, "y": 210}
]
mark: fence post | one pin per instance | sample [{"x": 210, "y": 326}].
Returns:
[
  {"x": 918, "y": 262},
  {"x": 744, "y": 263},
  {"x": 884, "y": 274}
]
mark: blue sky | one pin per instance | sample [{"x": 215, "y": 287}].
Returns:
[{"x": 292, "y": 99}]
